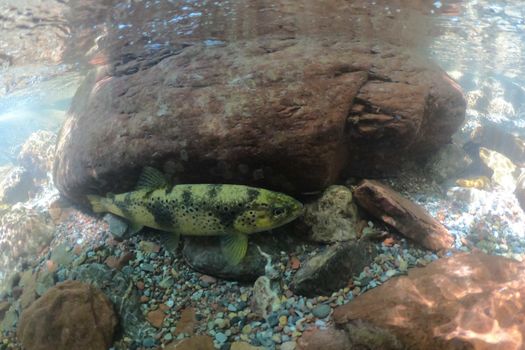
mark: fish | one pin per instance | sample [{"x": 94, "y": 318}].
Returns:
[{"x": 227, "y": 210}]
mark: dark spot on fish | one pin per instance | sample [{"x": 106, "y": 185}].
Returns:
[
  {"x": 125, "y": 205},
  {"x": 186, "y": 198},
  {"x": 161, "y": 214},
  {"x": 213, "y": 190},
  {"x": 252, "y": 194}
]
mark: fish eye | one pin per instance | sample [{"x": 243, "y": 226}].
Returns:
[{"x": 278, "y": 211}]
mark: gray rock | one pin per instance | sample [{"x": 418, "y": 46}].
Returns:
[
  {"x": 117, "y": 226},
  {"x": 15, "y": 185},
  {"x": 119, "y": 289},
  {"x": 448, "y": 163},
  {"x": 321, "y": 311},
  {"x": 332, "y": 218},
  {"x": 205, "y": 255},
  {"x": 10, "y": 318},
  {"x": 330, "y": 270},
  {"x": 63, "y": 255}
]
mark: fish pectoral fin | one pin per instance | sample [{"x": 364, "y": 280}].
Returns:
[
  {"x": 170, "y": 241},
  {"x": 151, "y": 178},
  {"x": 134, "y": 228},
  {"x": 234, "y": 247}
]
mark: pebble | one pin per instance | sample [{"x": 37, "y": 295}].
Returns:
[
  {"x": 221, "y": 337},
  {"x": 289, "y": 345},
  {"x": 321, "y": 311}
]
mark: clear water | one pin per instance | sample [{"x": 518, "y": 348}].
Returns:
[{"x": 48, "y": 47}]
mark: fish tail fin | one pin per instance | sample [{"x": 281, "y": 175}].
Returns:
[{"x": 97, "y": 203}]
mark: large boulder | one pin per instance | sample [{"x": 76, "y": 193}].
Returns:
[
  {"x": 407, "y": 217},
  {"x": 468, "y": 301},
  {"x": 288, "y": 113},
  {"x": 72, "y": 315}
]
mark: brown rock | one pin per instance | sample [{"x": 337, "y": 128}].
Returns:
[
  {"x": 187, "y": 321},
  {"x": 408, "y": 218},
  {"x": 198, "y": 342},
  {"x": 316, "y": 339},
  {"x": 468, "y": 301},
  {"x": 280, "y": 111},
  {"x": 71, "y": 315},
  {"x": 156, "y": 318}
]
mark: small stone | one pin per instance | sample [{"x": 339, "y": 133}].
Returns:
[
  {"x": 187, "y": 321},
  {"x": 246, "y": 329},
  {"x": 232, "y": 308},
  {"x": 289, "y": 345},
  {"x": 221, "y": 337},
  {"x": 283, "y": 321},
  {"x": 321, "y": 311},
  {"x": 144, "y": 299},
  {"x": 244, "y": 346},
  {"x": 149, "y": 247},
  {"x": 147, "y": 267},
  {"x": 148, "y": 342},
  {"x": 156, "y": 318},
  {"x": 168, "y": 337}
]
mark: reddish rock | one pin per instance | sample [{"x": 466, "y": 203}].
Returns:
[
  {"x": 468, "y": 301},
  {"x": 71, "y": 315},
  {"x": 408, "y": 218},
  {"x": 316, "y": 339},
  {"x": 199, "y": 342},
  {"x": 187, "y": 321},
  {"x": 276, "y": 110},
  {"x": 156, "y": 318}
]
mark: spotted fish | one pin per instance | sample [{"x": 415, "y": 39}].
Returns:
[{"x": 229, "y": 211}]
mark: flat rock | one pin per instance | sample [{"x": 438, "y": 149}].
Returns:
[
  {"x": 71, "y": 315},
  {"x": 316, "y": 339},
  {"x": 205, "y": 255},
  {"x": 331, "y": 218},
  {"x": 410, "y": 219},
  {"x": 290, "y": 113},
  {"x": 332, "y": 269},
  {"x": 468, "y": 301}
]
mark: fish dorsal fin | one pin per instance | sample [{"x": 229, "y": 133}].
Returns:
[
  {"x": 234, "y": 247},
  {"x": 151, "y": 178}
]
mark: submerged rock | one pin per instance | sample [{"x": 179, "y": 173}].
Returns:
[
  {"x": 24, "y": 233},
  {"x": 333, "y": 268},
  {"x": 408, "y": 218},
  {"x": 505, "y": 172},
  {"x": 204, "y": 254},
  {"x": 119, "y": 289},
  {"x": 493, "y": 137},
  {"x": 38, "y": 153},
  {"x": 468, "y": 301},
  {"x": 16, "y": 184},
  {"x": 285, "y": 113},
  {"x": 448, "y": 163},
  {"x": 71, "y": 315},
  {"x": 332, "y": 218}
]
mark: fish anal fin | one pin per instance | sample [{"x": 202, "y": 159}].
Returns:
[
  {"x": 151, "y": 178},
  {"x": 134, "y": 228},
  {"x": 170, "y": 240},
  {"x": 234, "y": 247}
]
